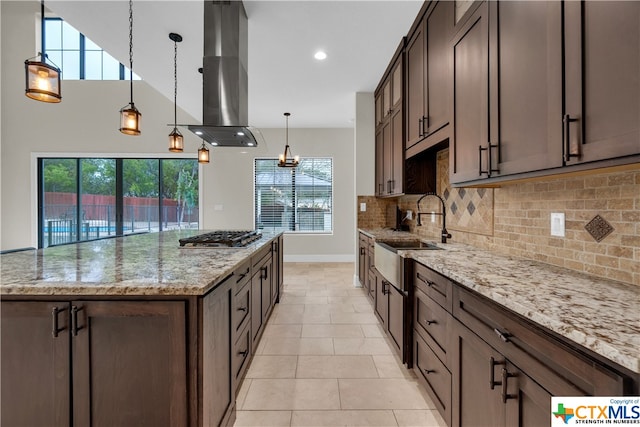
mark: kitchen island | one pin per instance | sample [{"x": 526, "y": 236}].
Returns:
[{"x": 133, "y": 330}]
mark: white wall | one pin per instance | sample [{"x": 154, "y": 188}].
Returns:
[
  {"x": 228, "y": 189},
  {"x": 86, "y": 123},
  {"x": 365, "y": 146}
]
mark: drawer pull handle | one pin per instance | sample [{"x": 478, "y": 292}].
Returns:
[
  {"x": 74, "y": 320},
  {"x": 242, "y": 308},
  {"x": 430, "y": 322},
  {"x": 54, "y": 314},
  {"x": 428, "y": 371},
  {"x": 243, "y": 353},
  {"x": 504, "y": 336},
  {"x": 425, "y": 280},
  {"x": 505, "y": 376},
  {"x": 492, "y": 364}
]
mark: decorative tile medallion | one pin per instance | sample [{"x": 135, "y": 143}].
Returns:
[
  {"x": 598, "y": 228},
  {"x": 470, "y": 209}
]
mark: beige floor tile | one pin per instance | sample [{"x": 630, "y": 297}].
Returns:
[
  {"x": 336, "y": 367},
  {"x": 273, "y": 367},
  {"x": 286, "y": 318},
  {"x": 419, "y": 418},
  {"x": 282, "y": 330},
  {"x": 286, "y": 299},
  {"x": 361, "y": 346},
  {"x": 354, "y": 318},
  {"x": 357, "y": 292},
  {"x": 332, "y": 331},
  {"x": 381, "y": 393},
  {"x": 340, "y": 292},
  {"x": 242, "y": 393},
  {"x": 361, "y": 299},
  {"x": 313, "y": 316},
  {"x": 372, "y": 331},
  {"x": 263, "y": 419},
  {"x": 295, "y": 346},
  {"x": 364, "y": 307},
  {"x": 343, "y": 418},
  {"x": 330, "y": 308},
  {"x": 290, "y": 394},
  {"x": 391, "y": 367}
]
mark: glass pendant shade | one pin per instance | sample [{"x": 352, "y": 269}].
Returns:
[
  {"x": 43, "y": 81},
  {"x": 203, "y": 154},
  {"x": 286, "y": 160},
  {"x": 130, "y": 120},
  {"x": 176, "y": 141}
]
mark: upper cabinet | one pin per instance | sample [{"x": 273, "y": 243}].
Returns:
[
  {"x": 508, "y": 88},
  {"x": 428, "y": 76},
  {"x": 389, "y": 130},
  {"x": 602, "y": 78}
]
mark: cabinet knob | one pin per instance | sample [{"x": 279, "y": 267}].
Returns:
[{"x": 428, "y": 371}]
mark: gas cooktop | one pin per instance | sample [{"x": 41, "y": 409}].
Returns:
[{"x": 221, "y": 239}]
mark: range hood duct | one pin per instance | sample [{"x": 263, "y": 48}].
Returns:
[{"x": 224, "y": 77}]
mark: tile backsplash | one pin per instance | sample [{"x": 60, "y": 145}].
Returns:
[{"x": 515, "y": 219}]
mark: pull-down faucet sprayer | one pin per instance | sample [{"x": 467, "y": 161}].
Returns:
[{"x": 445, "y": 234}]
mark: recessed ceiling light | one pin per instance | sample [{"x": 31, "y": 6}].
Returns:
[
  {"x": 243, "y": 152},
  {"x": 320, "y": 55},
  {"x": 250, "y": 144},
  {"x": 198, "y": 132},
  {"x": 214, "y": 143},
  {"x": 240, "y": 133}
]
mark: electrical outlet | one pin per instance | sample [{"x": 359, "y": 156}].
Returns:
[
  {"x": 363, "y": 207},
  {"x": 409, "y": 215},
  {"x": 557, "y": 224}
]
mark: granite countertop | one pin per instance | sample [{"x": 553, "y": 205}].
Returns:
[
  {"x": 145, "y": 264},
  {"x": 598, "y": 314}
]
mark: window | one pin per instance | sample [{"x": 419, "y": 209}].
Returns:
[
  {"x": 78, "y": 57},
  {"x": 294, "y": 199},
  {"x": 79, "y": 198}
]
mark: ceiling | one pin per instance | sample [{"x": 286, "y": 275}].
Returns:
[{"x": 359, "y": 38}]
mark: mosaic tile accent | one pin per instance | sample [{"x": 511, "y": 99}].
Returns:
[
  {"x": 599, "y": 228},
  {"x": 470, "y": 209}
]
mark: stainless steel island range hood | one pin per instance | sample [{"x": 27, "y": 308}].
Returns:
[{"x": 224, "y": 77}]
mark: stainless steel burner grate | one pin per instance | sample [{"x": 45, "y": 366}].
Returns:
[{"x": 221, "y": 239}]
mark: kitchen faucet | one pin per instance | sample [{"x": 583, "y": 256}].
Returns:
[{"x": 445, "y": 234}]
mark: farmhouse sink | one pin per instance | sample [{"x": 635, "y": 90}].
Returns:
[{"x": 407, "y": 245}]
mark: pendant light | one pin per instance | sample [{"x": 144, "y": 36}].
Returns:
[
  {"x": 203, "y": 154},
  {"x": 176, "y": 140},
  {"x": 42, "y": 79},
  {"x": 286, "y": 160},
  {"x": 129, "y": 114}
]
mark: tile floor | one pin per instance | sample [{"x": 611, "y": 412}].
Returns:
[{"x": 323, "y": 360}]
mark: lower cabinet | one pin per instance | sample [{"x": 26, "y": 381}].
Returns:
[
  {"x": 96, "y": 362},
  {"x": 382, "y": 299},
  {"x": 485, "y": 366}
]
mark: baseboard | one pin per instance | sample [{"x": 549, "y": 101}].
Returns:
[{"x": 320, "y": 258}]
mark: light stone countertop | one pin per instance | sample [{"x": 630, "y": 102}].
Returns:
[
  {"x": 145, "y": 264},
  {"x": 598, "y": 314}
]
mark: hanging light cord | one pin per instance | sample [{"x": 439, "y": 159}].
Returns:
[
  {"x": 131, "y": 48},
  {"x": 42, "y": 29},
  {"x": 175, "y": 82}
]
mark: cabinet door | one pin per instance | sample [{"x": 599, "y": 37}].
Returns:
[
  {"x": 378, "y": 113},
  {"x": 471, "y": 96},
  {"x": 382, "y": 300},
  {"x": 438, "y": 67},
  {"x": 129, "y": 362},
  {"x": 397, "y": 152},
  {"x": 415, "y": 106},
  {"x": 476, "y": 389},
  {"x": 256, "y": 304},
  {"x": 362, "y": 256},
  {"x": 527, "y": 404},
  {"x": 396, "y": 323},
  {"x": 602, "y": 80},
  {"x": 266, "y": 289},
  {"x": 380, "y": 178},
  {"x": 275, "y": 271},
  {"x": 387, "y": 158},
  {"x": 525, "y": 87},
  {"x": 35, "y": 364},
  {"x": 371, "y": 278}
]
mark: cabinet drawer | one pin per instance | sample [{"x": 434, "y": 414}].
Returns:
[
  {"x": 242, "y": 275},
  {"x": 436, "y": 286},
  {"x": 560, "y": 368},
  {"x": 241, "y": 309},
  {"x": 433, "y": 324},
  {"x": 260, "y": 258},
  {"x": 241, "y": 353},
  {"x": 434, "y": 376}
]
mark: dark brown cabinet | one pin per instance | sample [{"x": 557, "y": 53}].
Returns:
[
  {"x": 35, "y": 353},
  {"x": 382, "y": 299},
  {"x": 363, "y": 260},
  {"x": 102, "y": 360},
  {"x": 509, "y": 88},
  {"x": 396, "y": 323},
  {"x": 602, "y": 54},
  {"x": 428, "y": 64},
  {"x": 389, "y": 131}
]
